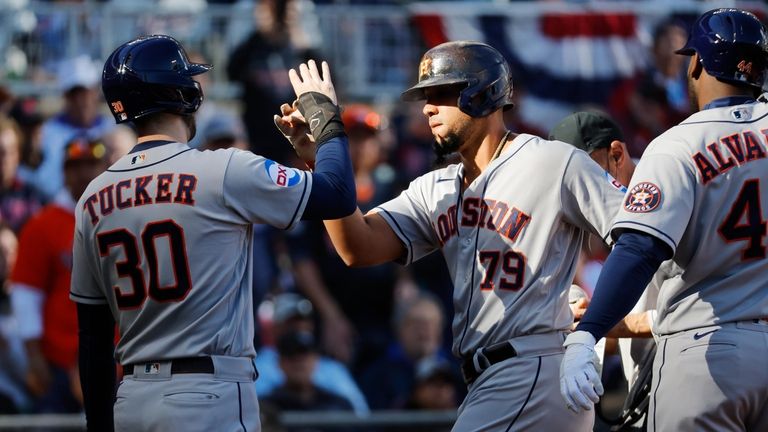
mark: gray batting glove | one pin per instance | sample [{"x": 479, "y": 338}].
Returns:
[
  {"x": 580, "y": 383},
  {"x": 295, "y": 129}
]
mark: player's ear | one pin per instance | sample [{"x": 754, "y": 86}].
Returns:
[
  {"x": 618, "y": 152},
  {"x": 696, "y": 67}
]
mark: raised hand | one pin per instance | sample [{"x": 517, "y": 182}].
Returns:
[{"x": 309, "y": 79}]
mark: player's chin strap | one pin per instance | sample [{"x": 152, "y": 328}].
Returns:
[{"x": 638, "y": 398}]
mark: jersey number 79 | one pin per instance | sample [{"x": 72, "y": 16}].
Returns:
[{"x": 131, "y": 267}]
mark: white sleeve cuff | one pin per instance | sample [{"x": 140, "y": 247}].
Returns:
[{"x": 27, "y": 302}]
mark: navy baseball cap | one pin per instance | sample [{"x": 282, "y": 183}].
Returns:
[
  {"x": 296, "y": 343},
  {"x": 587, "y": 130}
]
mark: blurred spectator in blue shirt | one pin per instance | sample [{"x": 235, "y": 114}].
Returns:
[
  {"x": 389, "y": 383},
  {"x": 298, "y": 358},
  {"x": 14, "y": 397},
  {"x": 293, "y": 313},
  {"x": 18, "y": 201},
  {"x": 78, "y": 80}
]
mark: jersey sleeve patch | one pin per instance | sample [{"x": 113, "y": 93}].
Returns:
[
  {"x": 281, "y": 175},
  {"x": 644, "y": 197}
]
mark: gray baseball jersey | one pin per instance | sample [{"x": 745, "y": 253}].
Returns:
[
  {"x": 511, "y": 239},
  {"x": 164, "y": 237},
  {"x": 701, "y": 187}
]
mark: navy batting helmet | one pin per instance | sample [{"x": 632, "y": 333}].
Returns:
[
  {"x": 732, "y": 45},
  {"x": 479, "y": 66},
  {"x": 148, "y": 75}
]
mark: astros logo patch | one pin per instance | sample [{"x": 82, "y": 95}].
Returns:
[
  {"x": 282, "y": 176},
  {"x": 643, "y": 198}
]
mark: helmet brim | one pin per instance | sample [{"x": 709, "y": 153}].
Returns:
[
  {"x": 686, "y": 51},
  {"x": 198, "y": 68},
  {"x": 416, "y": 92}
]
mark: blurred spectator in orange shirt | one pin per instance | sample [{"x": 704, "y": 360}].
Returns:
[{"x": 46, "y": 318}]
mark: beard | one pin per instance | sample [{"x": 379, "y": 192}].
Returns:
[
  {"x": 450, "y": 144},
  {"x": 189, "y": 119}
]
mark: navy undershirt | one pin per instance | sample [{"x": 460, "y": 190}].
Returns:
[
  {"x": 729, "y": 101},
  {"x": 333, "y": 193},
  {"x": 627, "y": 271}
]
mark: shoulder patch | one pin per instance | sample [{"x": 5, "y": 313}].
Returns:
[
  {"x": 281, "y": 175},
  {"x": 644, "y": 197}
]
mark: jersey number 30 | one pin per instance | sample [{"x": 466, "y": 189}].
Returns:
[
  {"x": 754, "y": 229},
  {"x": 131, "y": 267}
]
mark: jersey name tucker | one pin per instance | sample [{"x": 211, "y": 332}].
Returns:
[
  {"x": 164, "y": 188},
  {"x": 728, "y": 152},
  {"x": 490, "y": 214}
]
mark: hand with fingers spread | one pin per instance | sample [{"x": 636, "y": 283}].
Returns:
[
  {"x": 314, "y": 117},
  {"x": 580, "y": 383},
  {"x": 308, "y": 79}
]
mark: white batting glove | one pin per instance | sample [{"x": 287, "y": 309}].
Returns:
[{"x": 580, "y": 383}]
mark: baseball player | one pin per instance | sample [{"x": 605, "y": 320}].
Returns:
[
  {"x": 509, "y": 220},
  {"x": 163, "y": 247},
  {"x": 697, "y": 196}
]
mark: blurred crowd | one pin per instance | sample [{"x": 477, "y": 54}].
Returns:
[{"x": 329, "y": 337}]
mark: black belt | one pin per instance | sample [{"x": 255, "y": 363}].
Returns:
[
  {"x": 486, "y": 357},
  {"x": 178, "y": 366}
]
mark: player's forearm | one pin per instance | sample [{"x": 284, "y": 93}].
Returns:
[
  {"x": 633, "y": 262},
  {"x": 333, "y": 182},
  {"x": 634, "y": 325},
  {"x": 97, "y": 366},
  {"x": 364, "y": 240}
]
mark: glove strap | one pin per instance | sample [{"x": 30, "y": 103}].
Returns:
[{"x": 322, "y": 116}]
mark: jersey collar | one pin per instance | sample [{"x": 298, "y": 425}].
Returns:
[
  {"x": 148, "y": 145},
  {"x": 729, "y": 101}
]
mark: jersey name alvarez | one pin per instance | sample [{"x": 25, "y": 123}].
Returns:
[
  {"x": 166, "y": 188},
  {"x": 483, "y": 213},
  {"x": 729, "y": 151}
]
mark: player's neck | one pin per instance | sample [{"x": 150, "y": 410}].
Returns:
[
  {"x": 164, "y": 127},
  {"x": 718, "y": 90},
  {"x": 156, "y": 137},
  {"x": 477, "y": 158}
]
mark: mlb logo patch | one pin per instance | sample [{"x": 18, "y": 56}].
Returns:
[
  {"x": 152, "y": 368},
  {"x": 138, "y": 159},
  {"x": 644, "y": 197},
  {"x": 741, "y": 113}
]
